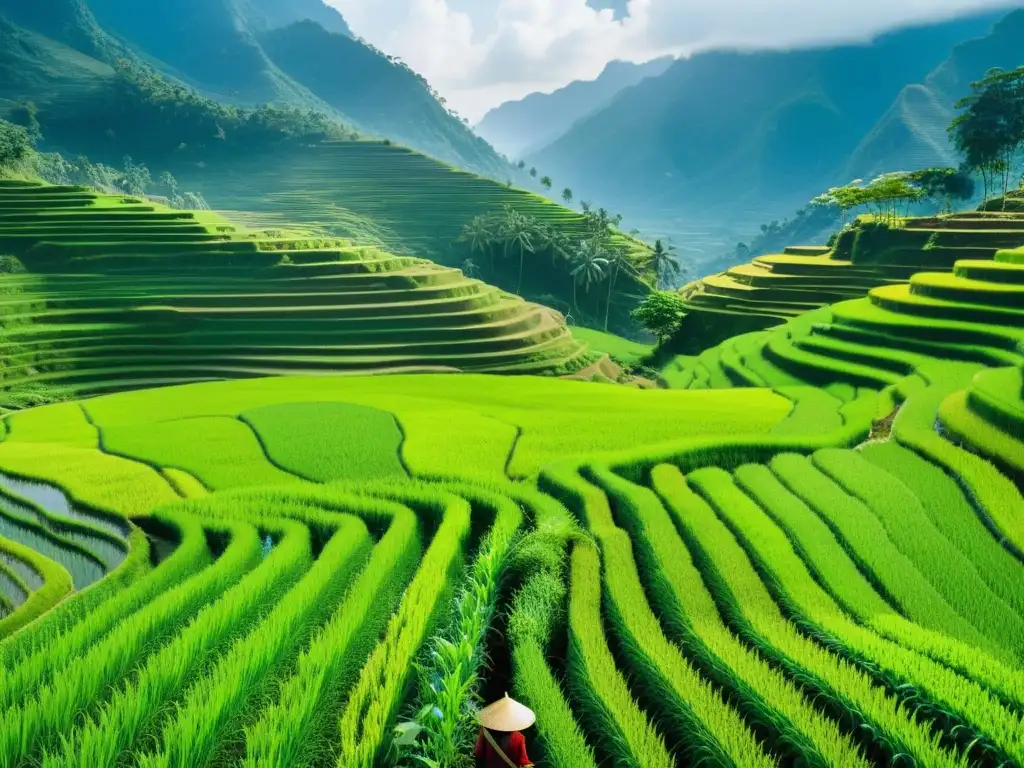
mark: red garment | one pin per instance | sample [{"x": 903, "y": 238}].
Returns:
[{"x": 516, "y": 750}]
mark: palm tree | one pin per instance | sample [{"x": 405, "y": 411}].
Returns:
[
  {"x": 664, "y": 262},
  {"x": 517, "y": 231},
  {"x": 480, "y": 234},
  {"x": 567, "y": 195},
  {"x": 618, "y": 261},
  {"x": 533, "y": 172},
  {"x": 546, "y": 182},
  {"x": 590, "y": 266},
  {"x": 585, "y": 205},
  {"x": 554, "y": 241}
]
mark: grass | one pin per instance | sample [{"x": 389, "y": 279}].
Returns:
[
  {"x": 808, "y": 554},
  {"x": 122, "y": 292},
  {"x": 329, "y": 442},
  {"x": 622, "y": 351}
]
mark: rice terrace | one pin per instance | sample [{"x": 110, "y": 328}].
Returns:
[{"x": 324, "y": 424}]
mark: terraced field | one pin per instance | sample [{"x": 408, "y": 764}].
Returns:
[
  {"x": 371, "y": 192},
  {"x": 813, "y": 555},
  {"x": 123, "y": 293},
  {"x": 809, "y": 552},
  {"x": 773, "y": 289}
]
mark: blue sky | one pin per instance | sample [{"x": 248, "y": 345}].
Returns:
[{"x": 479, "y": 53}]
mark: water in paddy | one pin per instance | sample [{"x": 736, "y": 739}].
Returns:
[
  {"x": 42, "y": 517},
  {"x": 56, "y": 502}
]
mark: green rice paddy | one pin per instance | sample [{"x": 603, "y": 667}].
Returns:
[
  {"x": 773, "y": 289},
  {"x": 808, "y": 551},
  {"x": 371, "y": 192},
  {"x": 121, "y": 293}
]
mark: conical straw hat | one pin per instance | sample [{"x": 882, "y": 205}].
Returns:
[{"x": 506, "y": 714}]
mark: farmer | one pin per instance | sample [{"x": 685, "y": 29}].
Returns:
[{"x": 501, "y": 745}]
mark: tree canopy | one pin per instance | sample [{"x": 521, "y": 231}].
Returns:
[
  {"x": 887, "y": 194},
  {"x": 989, "y": 131},
  {"x": 16, "y": 145},
  {"x": 661, "y": 313}
]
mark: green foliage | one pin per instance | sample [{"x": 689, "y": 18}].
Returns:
[
  {"x": 147, "y": 115},
  {"x": 706, "y": 577},
  {"x": 989, "y": 130},
  {"x": 444, "y": 729},
  {"x": 884, "y": 194},
  {"x": 661, "y": 313},
  {"x": 944, "y": 185},
  {"x": 16, "y": 146},
  {"x": 601, "y": 256}
]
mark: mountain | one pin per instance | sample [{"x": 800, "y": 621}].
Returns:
[
  {"x": 523, "y": 127},
  {"x": 290, "y": 53},
  {"x": 274, "y": 14},
  {"x": 380, "y": 96},
  {"x": 725, "y": 140},
  {"x": 913, "y": 132}
]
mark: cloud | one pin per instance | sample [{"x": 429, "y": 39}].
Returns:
[{"x": 479, "y": 52}]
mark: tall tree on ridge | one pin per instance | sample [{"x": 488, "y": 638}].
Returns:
[
  {"x": 517, "y": 232},
  {"x": 591, "y": 262},
  {"x": 618, "y": 262},
  {"x": 480, "y": 235},
  {"x": 567, "y": 195},
  {"x": 989, "y": 131},
  {"x": 664, "y": 262}
]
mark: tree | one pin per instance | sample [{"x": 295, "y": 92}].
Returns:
[
  {"x": 546, "y": 182},
  {"x": 521, "y": 164},
  {"x": 661, "y": 313},
  {"x": 585, "y": 205},
  {"x": 591, "y": 263},
  {"x": 618, "y": 261},
  {"x": 479, "y": 234},
  {"x": 567, "y": 195},
  {"x": 944, "y": 185},
  {"x": 26, "y": 114},
  {"x": 886, "y": 192},
  {"x": 168, "y": 180},
  {"x": 554, "y": 241},
  {"x": 664, "y": 263},
  {"x": 517, "y": 231},
  {"x": 15, "y": 145},
  {"x": 844, "y": 198},
  {"x": 533, "y": 172},
  {"x": 989, "y": 131},
  {"x": 136, "y": 178}
]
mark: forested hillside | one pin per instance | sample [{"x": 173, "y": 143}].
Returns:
[{"x": 242, "y": 54}]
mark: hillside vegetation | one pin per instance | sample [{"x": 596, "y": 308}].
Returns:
[
  {"x": 817, "y": 558},
  {"x": 227, "y": 539},
  {"x": 71, "y": 57},
  {"x": 772, "y": 289},
  {"x": 376, "y": 193},
  {"x": 111, "y": 292}
]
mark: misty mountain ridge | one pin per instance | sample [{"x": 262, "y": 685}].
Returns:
[
  {"x": 525, "y": 126},
  {"x": 726, "y": 140}
]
